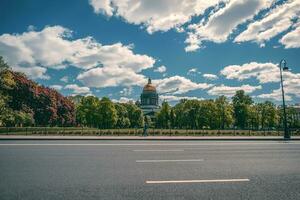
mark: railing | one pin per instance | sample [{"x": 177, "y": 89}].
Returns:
[{"x": 138, "y": 131}]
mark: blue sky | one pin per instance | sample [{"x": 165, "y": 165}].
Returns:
[{"x": 191, "y": 49}]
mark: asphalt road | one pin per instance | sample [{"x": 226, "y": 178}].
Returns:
[{"x": 149, "y": 170}]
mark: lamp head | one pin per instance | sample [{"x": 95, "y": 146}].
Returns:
[{"x": 284, "y": 67}]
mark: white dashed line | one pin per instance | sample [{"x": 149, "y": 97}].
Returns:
[
  {"x": 156, "y": 161},
  {"x": 199, "y": 181},
  {"x": 157, "y": 150}
]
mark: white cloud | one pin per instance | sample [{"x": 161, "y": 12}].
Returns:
[
  {"x": 56, "y": 87},
  {"x": 230, "y": 91},
  {"x": 292, "y": 39},
  {"x": 274, "y": 22},
  {"x": 159, "y": 15},
  {"x": 291, "y": 89},
  {"x": 210, "y": 76},
  {"x": 64, "y": 79},
  {"x": 263, "y": 72},
  {"x": 33, "y": 72},
  {"x": 101, "y": 77},
  {"x": 172, "y": 98},
  {"x": 274, "y": 95},
  {"x": 126, "y": 91},
  {"x": 178, "y": 85},
  {"x": 77, "y": 89},
  {"x": 193, "y": 72},
  {"x": 32, "y": 52},
  {"x": 123, "y": 100},
  {"x": 161, "y": 69},
  {"x": 223, "y": 22}
]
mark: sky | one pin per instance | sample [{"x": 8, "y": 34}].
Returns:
[{"x": 192, "y": 49}]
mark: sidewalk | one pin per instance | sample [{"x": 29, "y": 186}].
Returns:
[{"x": 257, "y": 138}]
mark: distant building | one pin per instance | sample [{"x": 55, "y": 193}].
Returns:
[{"x": 149, "y": 99}]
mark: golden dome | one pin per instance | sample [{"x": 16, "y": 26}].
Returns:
[{"x": 149, "y": 87}]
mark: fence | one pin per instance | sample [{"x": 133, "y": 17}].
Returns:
[{"x": 137, "y": 131}]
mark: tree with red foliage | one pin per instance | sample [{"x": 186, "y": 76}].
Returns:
[{"x": 47, "y": 106}]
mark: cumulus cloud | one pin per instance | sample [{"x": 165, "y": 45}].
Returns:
[
  {"x": 193, "y": 72},
  {"x": 263, "y": 72},
  {"x": 274, "y": 95},
  {"x": 223, "y": 22},
  {"x": 33, "y": 52},
  {"x": 101, "y": 77},
  {"x": 224, "y": 18},
  {"x": 126, "y": 91},
  {"x": 178, "y": 85},
  {"x": 77, "y": 89},
  {"x": 210, "y": 76},
  {"x": 161, "y": 69},
  {"x": 274, "y": 22},
  {"x": 230, "y": 91},
  {"x": 123, "y": 100},
  {"x": 154, "y": 15},
  {"x": 291, "y": 89},
  {"x": 292, "y": 39},
  {"x": 56, "y": 87},
  {"x": 64, "y": 79},
  {"x": 172, "y": 98},
  {"x": 266, "y": 73}
]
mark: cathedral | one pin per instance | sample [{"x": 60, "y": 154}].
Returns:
[{"x": 149, "y": 99}]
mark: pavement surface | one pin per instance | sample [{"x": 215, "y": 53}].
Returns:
[
  {"x": 112, "y": 169},
  {"x": 73, "y": 137}
]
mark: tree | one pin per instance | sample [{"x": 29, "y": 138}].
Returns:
[
  {"x": 3, "y": 65},
  {"x": 87, "y": 111},
  {"x": 241, "y": 107},
  {"x": 163, "y": 116},
  {"x": 122, "y": 115},
  {"x": 266, "y": 115},
  {"x": 224, "y": 112},
  {"x": 107, "y": 113},
  {"x": 135, "y": 115}
]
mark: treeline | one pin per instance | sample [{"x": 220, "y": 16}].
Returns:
[
  {"x": 103, "y": 113},
  {"x": 239, "y": 113},
  {"x": 26, "y": 103}
]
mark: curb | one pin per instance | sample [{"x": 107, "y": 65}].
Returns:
[{"x": 148, "y": 138}]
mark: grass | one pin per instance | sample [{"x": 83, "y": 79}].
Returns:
[{"x": 134, "y": 132}]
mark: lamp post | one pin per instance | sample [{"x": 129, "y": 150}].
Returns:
[{"x": 283, "y": 67}]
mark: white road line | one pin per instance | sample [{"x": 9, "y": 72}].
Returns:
[
  {"x": 158, "y": 150},
  {"x": 199, "y": 181},
  {"x": 156, "y": 161},
  {"x": 141, "y": 144}
]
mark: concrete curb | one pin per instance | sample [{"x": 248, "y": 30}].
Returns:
[{"x": 149, "y": 138}]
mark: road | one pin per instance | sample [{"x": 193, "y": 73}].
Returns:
[{"x": 149, "y": 170}]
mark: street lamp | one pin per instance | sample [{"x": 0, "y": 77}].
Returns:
[{"x": 283, "y": 67}]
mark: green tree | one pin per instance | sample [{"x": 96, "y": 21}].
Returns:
[
  {"x": 224, "y": 112},
  {"x": 122, "y": 115},
  {"x": 163, "y": 116},
  {"x": 86, "y": 111},
  {"x": 107, "y": 113},
  {"x": 135, "y": 115},
  {"x": 241, "y": 107},
  {"x": 3, "y": 64}
]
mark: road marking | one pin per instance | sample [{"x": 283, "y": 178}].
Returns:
[
  {"x": 143, "y": 144},
  {"x": 156, "y": 161},
  {"x": 155, "y": 150},
  {"x": 199, "y": 181}
]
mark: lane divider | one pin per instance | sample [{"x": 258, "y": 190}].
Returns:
[
  {"x": 156, "y": 161},
  {"x": 198, "y": 181}
]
